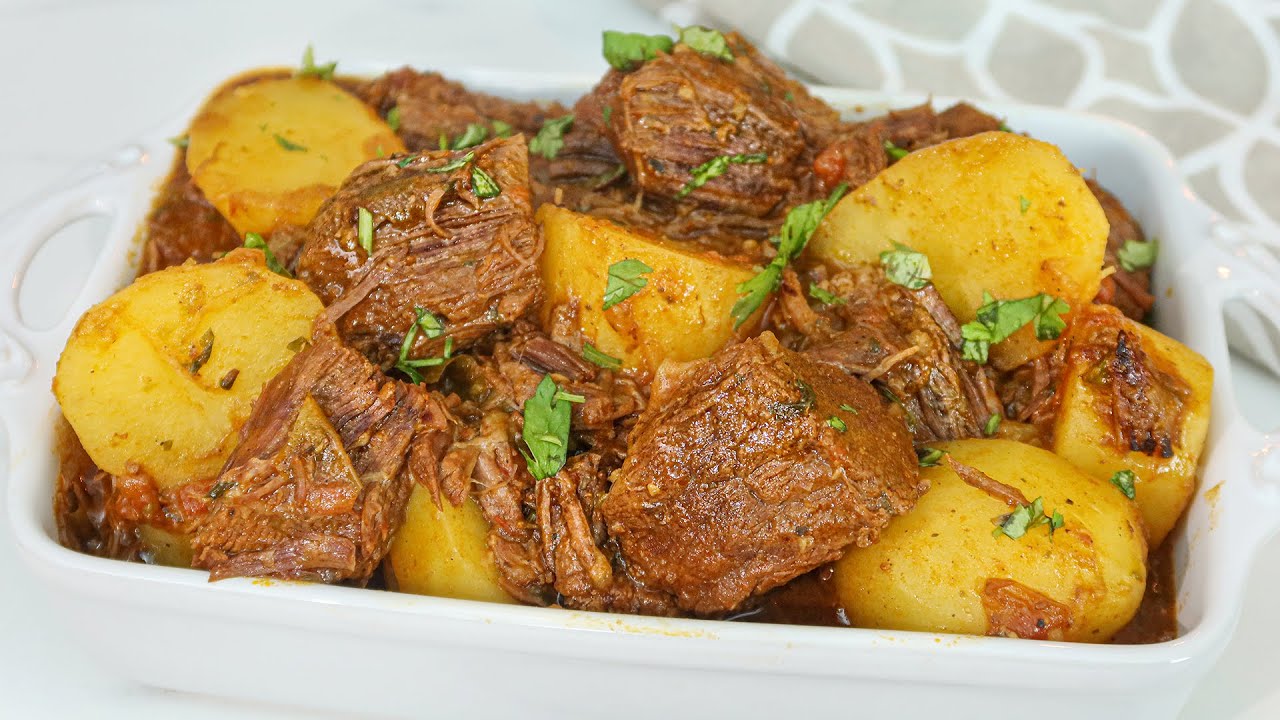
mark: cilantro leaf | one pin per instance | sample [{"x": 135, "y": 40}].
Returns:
[
  {"x": 1025, "y": 517},
  {"x": 929, "y": 457},
  {"x": 430, "y": 326},
  {"x": 825, "y": 297},
  {"x": 706, "y": 41},
  {"x": 837, "y": 423},
  {"x": 550, "y": 137},
  {"x": 1125, "y": 481},
  {"x": 993, "y": 424},
  {"x": 285, "y": 143},
  {"x": 627, "y": 51},
  {"x": 799, "y": 225},
  {"x": 502, "y": 129},
  {"x": 1136, "y": 255},
  {"x": 906, "y": 267},
  {"x": 255, "y": 241},
  {"x": 483, "y": 184},
  {"x": 1023, "y": 204},
  {"x": 894, "y": 151},
  {"x": 393, "y": 119},
  {"x": 626, "y": 278},
  {"x": 715, "y": 167},
  {"x": 452, "y": 164},
  {"x": 998, "y": 319},
  {"x": 546, "y": 428},
  {"x": 310, "y": 69},
  {"x": 592, "y": 354},
  {"x": 472, "y": 136}
]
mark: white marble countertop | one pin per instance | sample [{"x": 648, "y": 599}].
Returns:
[{"x": 84, "y": 77}]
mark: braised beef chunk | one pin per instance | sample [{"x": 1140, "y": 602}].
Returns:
[
  {"x": 963, "y": 120},
  {"x": 904, "y": 341},
  {"x": 430, "y": 106},
  {"x": 749, "y": 469},
  {"x": 684, "y": 109},
  {"x": 440, "y": 242},
  {"x": 183, "y": 225},
  {"x": 324, "y": 468},
  {"x": 588, "y": 154},
  {"x": 1128, "y": 290}
]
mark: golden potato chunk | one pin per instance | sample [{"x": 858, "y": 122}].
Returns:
[
  {"x": 444, "y": 551},
  {"x": 163, "y": 374},
  {"x": 1141, "y": 404},
  {"x": 939, "y": 568},
  {"x": 995, "y": 212},
  {"x": 682, "y": 312},
  {"x": 269, "y": 151}
]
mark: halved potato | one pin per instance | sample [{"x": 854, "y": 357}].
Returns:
[
  {"x": 681, "y": 314},
  {"x": 443, "y": 551},
  {"x": 995, "y": 212},
  {"x": 939, "y": 568},
  {"x": 162, "y": 374},
  {"x": 1085, "y": 434},
  {"x": 269, "y": 151}
]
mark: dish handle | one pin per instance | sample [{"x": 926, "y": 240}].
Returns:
[{"x": 24, "y": 231}]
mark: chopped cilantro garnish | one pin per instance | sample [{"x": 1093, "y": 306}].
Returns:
[
  {"x": 364, "y": 225},
  {"x": 824, "y": 296},
  {"x": 180, "y": 141},
  {"x": 894, "y": 151},
  {"x": 546, "y": 428},
  {"x": 1125, "y": 480},
  {"x": 626, "y": 278},
  {"x": 627, "y": 51},
  {"x": 404, "y": 162},
  {"x": 1136, "y": 254},
  {"x": 285, "y": 143},
  {"x": 799, "y": 225},
  {"x": 1025, "y": 517},
  {"x": 607, "y": 113},
  {"x": 715, "y": 167},
  {"x": 550, "y": 137},
  {"x": 483, "y": 184},
  {"x": 501, "y": 129},
  {"x": 393, "y": 118},
  {"x": 837, "y": 423},
  {"x": 848, "y": 408},
  {"x": 592, "y": 354},
  {"x": 706, "y": 41},
  {"x": 310, "y": 69},
  {"x": 998, "y": 319},
  {"x": 993, "y": 424},
  {"x": 472, "y": 136},
  {"x": 255, "y": 241},
  {"x": 452, "y": 164},
  {"x": 906, "y": 267},
  {"x": 430, "y": 326},
  {"x": 1023, "y": 204},
  {"x": 929, "y": 457}
]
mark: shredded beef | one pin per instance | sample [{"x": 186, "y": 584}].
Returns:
[
  {"x": 1128, "y": 290},
  {"x": 471, "y": 261},
  {"x": 737, "y": 481},
  {"x": 904, "y": 341},
  {"x": 323, "y": 471}
]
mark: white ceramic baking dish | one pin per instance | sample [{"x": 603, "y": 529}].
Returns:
[{"x": 386, "y": 653}]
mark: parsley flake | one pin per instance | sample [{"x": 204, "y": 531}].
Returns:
[
  {"x": 483, "y": 184},
  {"x": 310, "y": 69},
  {"x": 1136, "y": 254},
  {"x": 998, "y": 319},
  {"x": 472, "y": 136},
  {"x": 501, "y": 129},
  {"x": 1125, "y": 480},
  {"x": 837, "y": 423},
  {"x": 1024, "y": 518},
  {"x": 285, "y": 143},
  {"x": 430, "y": 326},
  {"x": 906, "y": 267},
  {"x": 715, "y": 167},
  {"x": 627, "y": 51},
  {"x": 404, "y": 162},
  {"x": 550, "y": 137},
  {"x": 798, "y": 227},
  {"x": 546, "y": 428},
  {"x": 894, "y": 151},
  {"x": 1023, "y": 204},
  {"x": 364, "y": 226},
  {"x": 826, "y": 297},
  {"x": 993, "y": 424},
  {"x": 929, "y": 457},
  {"x": 848, "y": 408},
  {"x": 255, "y": 241},
  {"x": 393, "y": 119},
  {"x": 593, "y": 354},
  {"x": 452, "y": 164},
  {"x": 707, "y": 42},
  {"x": 626, "y": 278}
]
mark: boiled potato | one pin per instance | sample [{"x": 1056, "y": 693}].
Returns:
[
  {"x": 443, "y": 551},
  {"x": 142, "y": 377},
  {"x": 681, "y": 314},
  {"x": 270, "y": 151},
  {"x": 995, "y": 212},
  {"x": 939, "y": 569},
  {"x": 165, "y": 547},
  {"x": 1083, "y": 431}
]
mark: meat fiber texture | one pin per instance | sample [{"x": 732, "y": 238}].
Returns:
[
  {"x": 738, "y": 479},
  {"x": 437, "y": 245},
  {"x": 322, "y": 474}
]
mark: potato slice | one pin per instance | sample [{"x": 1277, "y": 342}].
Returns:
[
  {"x": 135, "y": 380},
  {"x": 939, "y": 568},
  {"x": 1084, "y": 433},
  {"x": 444, "y": 551},
  {"x": 269, "y": 151},
  {"x": 681, "y": 314},
  {"x": 997, "y": 212}
]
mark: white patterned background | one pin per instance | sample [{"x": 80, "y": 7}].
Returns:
[{"x": 1193, "y": 73}]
